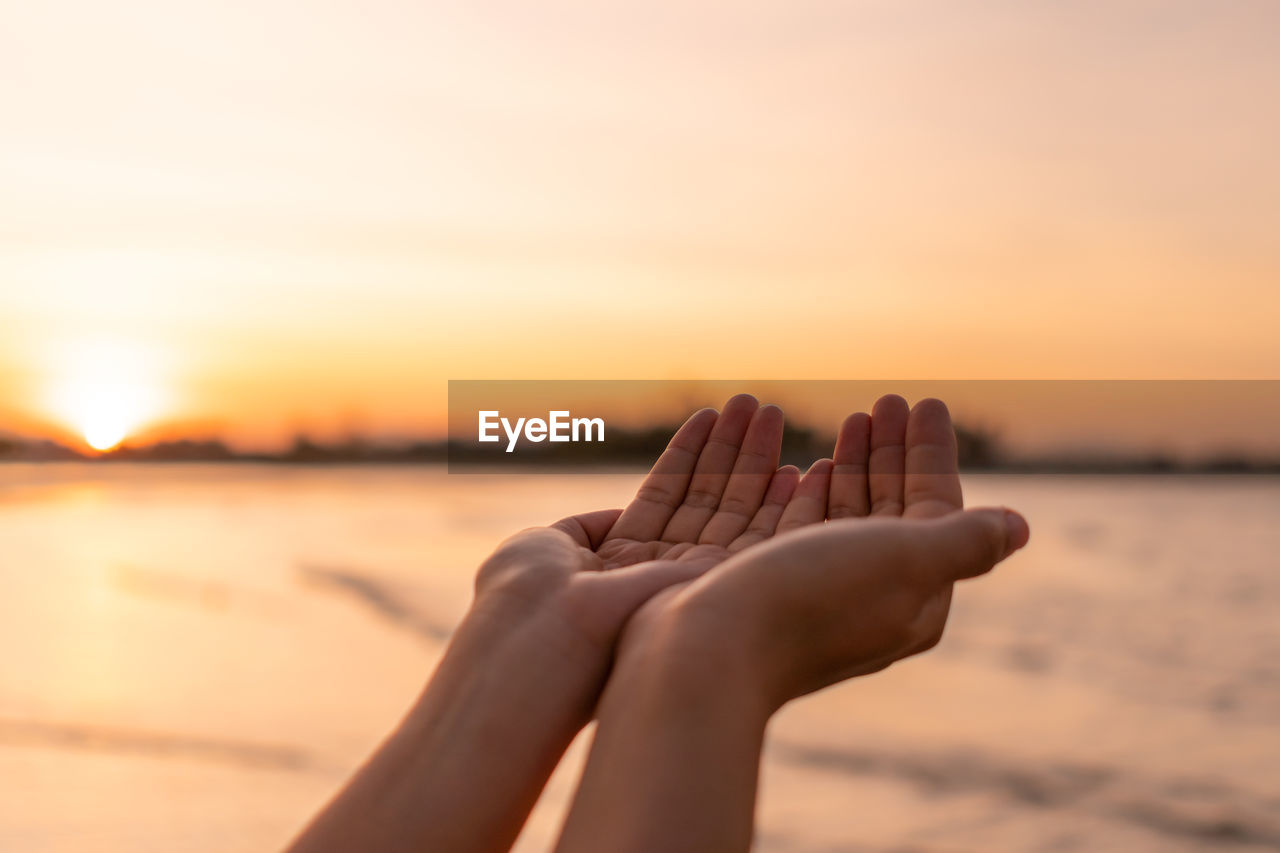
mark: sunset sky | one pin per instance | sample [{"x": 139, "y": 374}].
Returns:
[{"x": 250, "y": 219}]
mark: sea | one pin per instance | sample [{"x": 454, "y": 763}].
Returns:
[{"x": 194, "y": 658}]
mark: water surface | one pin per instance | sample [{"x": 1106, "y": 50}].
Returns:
[{"x": 196, "y": 657}]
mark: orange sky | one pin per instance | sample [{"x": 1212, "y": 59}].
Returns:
[{"x": 253, "y": 219}]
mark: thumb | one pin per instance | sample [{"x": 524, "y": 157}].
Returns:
[{"x": 969, "y": 543}]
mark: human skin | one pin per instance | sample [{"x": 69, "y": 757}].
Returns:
[
  {"x": 523, "y": 672},
  {"x": 703, "y": 665},
  {"x": 525, "y": 669}
]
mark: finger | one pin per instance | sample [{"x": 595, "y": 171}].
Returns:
[
  {"x": 664, "y": 488},
  {"x": 590, "y": 528},
  {"x": 711, "y": 474},
  {"x": 752, "y": 473},
  {"x": 809, "y": 503},
  {"x": 967, "y": 544},
  {"x": 932, "y": 482},
  {"x": 781, "y": 488},
  {"x": 848, "y": 497},
  {"x": 887, "y": 458}
]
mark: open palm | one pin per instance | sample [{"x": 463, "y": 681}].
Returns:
[
  {"x": 714, "y": 491},
  {"x": 893, "y": 470},
  {"x": 717, "y": 490}
]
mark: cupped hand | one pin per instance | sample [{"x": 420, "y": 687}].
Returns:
[
  {"x": 822, "y": 603},
  {"x": 716, "y": 490}
]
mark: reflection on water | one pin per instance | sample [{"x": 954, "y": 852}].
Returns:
[
  {"x": 197, "y": 656},
  {"x": 35, "y": 733}
]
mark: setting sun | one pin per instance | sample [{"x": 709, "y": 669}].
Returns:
[
  {"x": 104, "y": 428},
  {"x": 105, "y": 390}
]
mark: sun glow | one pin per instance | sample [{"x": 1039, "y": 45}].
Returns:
[{"x": 105, "y": 390}]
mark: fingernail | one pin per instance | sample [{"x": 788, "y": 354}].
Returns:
[{"x": 1018, "y": 531}]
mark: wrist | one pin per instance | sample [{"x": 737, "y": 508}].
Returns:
[
  {"x": 523, "y": 631},
  {"x": 470, "y": 758},
  {"x": 518, "y": 651},
  {"x": 675, "y": 759},
  {"x": 689, "y": 654},
  {"x": 468, "y": 761}
]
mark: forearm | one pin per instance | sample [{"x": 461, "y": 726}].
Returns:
[
  {"x": 463, "y": 769},
  {"x": 675, "y": 760}
]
